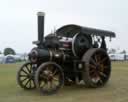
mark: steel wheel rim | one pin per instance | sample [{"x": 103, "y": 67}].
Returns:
[
  {"x": 99, "y": 68},
  {"x": 49, "y": 79},
  {"x": 25, "y": 77}
]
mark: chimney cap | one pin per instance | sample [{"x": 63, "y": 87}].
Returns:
[{"x": 41, "y": 13}]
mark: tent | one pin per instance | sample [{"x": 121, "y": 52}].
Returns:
[
  {"x": 2, "y": 58},
  {"x": 9, "y": 59}
]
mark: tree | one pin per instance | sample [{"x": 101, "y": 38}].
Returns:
[
  {"x": 0, "y": 52},
  {"x": 8, "y": 51},
  {"x": 123, "y": 52}
]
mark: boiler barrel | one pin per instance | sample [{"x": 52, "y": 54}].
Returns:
[
  {"x": 40, "y": 54},
  {"x": 44, "y": 55}
]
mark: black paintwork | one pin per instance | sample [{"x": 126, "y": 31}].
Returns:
[
  {"x": 71, "y": 29},
  {"x": 74, "y": 50}
]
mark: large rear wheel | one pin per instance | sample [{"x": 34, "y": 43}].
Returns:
[{"x": 97, "y": 67}]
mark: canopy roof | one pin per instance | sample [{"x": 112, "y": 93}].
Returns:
[{"x": 71, "y": 29}]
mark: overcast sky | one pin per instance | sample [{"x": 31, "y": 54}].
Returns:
[{"x": 18, "y": 19}]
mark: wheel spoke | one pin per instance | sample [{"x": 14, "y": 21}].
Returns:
[
  {"x": 105, "y": 67},
  {"x": 55, "y": 72},
  {"x": 92, "y": 66},
  {"x": 55, "y": 79},
  {"x": 96, "y": 74},
  {"x": 51, "y": 67},
  {"x": 101, "y": 81},
  {"x": 93, "y": 74},
  {"x": 27, "y": 82},
  {"x": 92, "y": 71},
  {"x": 52, "y": 84},
  {"x": 47, "y": 68},
  {"x": 96, "y": 58},
  {"x": 45, "y": 83},
  {"x": 29, "y": 70},
  {"x": 45, "y": 86},
  {"x": 24, "y": 79},
  {"x": 30, "y": 84},
  {"x": 24, "y": 71},
  {"x": 102, "y": 74},
  {"x": 49, "y": 85},
  {"x": 92, "y": 60},
  {"x": 23, "y": 75},
  {"x": 104, "y": 59},
  {"x": 33, "y": 83}
]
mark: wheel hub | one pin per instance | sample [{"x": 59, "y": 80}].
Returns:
[
  {"x": 30, "y": 76},
  {"x": 97, "y": 67},
  {"x": 49, "y": 75}
]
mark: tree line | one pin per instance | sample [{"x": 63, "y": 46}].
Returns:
[
  {"x": 11, "y": 51},
  {"x": 8, "y": 51}
]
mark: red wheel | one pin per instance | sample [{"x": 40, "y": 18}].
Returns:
[{"x": 97, "y": 67}]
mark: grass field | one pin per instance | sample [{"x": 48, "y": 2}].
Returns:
[{"x": 116, "y": 90}]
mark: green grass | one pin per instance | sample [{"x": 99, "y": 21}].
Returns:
[{"x": 116, "y": 90}]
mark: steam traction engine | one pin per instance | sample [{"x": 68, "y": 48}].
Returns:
[{"x": 69, "y": 55}]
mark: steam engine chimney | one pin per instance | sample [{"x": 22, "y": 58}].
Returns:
[{"x": 40, "y": 28}]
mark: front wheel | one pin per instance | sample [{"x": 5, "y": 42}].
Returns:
[
  {"x": 25, "y": 76},
  {"x": 49, "y": 78}
]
